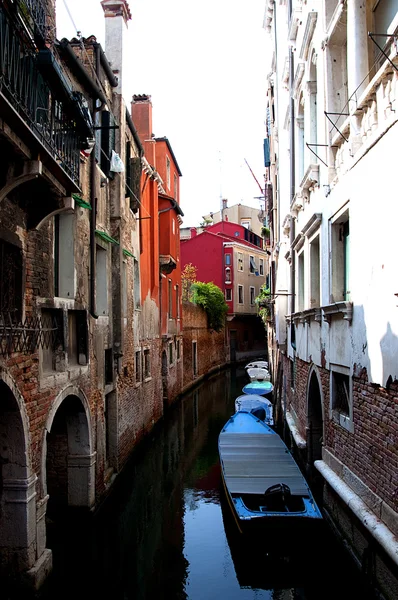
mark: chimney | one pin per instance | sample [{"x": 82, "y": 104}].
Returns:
[
  {"x": 117, "y": 14},
  {"x": 194, "y": 233},
  {"x": 224, "y": 203},
  {"x": 141, "y": 113}
]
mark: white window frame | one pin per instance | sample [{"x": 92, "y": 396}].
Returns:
[
  {"x": 240, "y": 287},
  {"x": 261, "y": 266},
  {"x": 240, "y": 261},
  {"x": 344, "y": 420},
  {"x": 228, "y": 292},
  {"x": 252, "y": 291}
]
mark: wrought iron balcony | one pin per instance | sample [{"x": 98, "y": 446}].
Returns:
[{"x": 45, "y": 104}]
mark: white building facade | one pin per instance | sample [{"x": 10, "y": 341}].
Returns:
[{"x": 332, "y": 129}]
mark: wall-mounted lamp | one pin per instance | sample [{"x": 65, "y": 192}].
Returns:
[{"x": 326, "y": 189}]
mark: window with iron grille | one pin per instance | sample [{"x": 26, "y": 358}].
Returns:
[{"x": 10, "y": 278}]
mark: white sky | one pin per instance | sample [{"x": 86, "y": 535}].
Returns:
[{"x": 204, "y": 64}]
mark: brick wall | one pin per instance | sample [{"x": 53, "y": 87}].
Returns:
[
  {"x": 370, "y": 451},
  {"x": 212, "y": 350}
]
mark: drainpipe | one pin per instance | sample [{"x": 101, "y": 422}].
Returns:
[
  {"x": 292, "y": 179},
  {"x": 93, "y": 201}
]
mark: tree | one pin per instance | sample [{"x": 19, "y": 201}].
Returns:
[
  {"x": 188, "y": 277},
  {"x": 211, "y": 299}
]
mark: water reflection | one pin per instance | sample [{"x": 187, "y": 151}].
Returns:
[{"x": 166, "y": 533}]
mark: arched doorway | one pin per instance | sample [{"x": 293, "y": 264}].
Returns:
[
  {"x": 69, "y": 461},
  {"x": 17, "y": 488},
  {"x": 315, "y": 420}
]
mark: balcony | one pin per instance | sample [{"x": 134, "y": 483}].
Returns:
[
  {"x": 374, "y": 114},
  {"x": 37, "y": 101}
]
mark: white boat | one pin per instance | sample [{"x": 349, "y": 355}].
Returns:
[
  {"x": 261, "y": 364},
  {"x": 259, "y": 374}
]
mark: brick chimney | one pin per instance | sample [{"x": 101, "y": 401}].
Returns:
[
  {"x": 117, "y": 14},
  {"x": 194, "y": 232},
  {"x": 141, "y": 113}
]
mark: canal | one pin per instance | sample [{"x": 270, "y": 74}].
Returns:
[{"x": 164, "y": 532}]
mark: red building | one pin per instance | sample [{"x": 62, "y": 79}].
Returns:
[
  {"x": 232, "y": 257},
  {"x": 160, "y": 218}
]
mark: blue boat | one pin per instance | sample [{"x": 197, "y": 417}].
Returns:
[
  {"x": 262, "y": 388},
  {"x": 263, "y": 483},
  {"x": 257, "y": 405}
]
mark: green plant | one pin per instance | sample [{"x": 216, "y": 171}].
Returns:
[
  {"x": 211, "y": 299},
  {"x": 265, "y": 231},
  {"x": 263, "y": 300}
]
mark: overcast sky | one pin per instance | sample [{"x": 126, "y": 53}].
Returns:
[{"x": 204, "y": 65}]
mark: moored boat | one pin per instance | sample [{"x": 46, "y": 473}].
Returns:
[
  {"x": 262, "y": 388},
  {"x": 257, "y": 405},
  {"x": 258, "y": 374},
  {"x": 261, "y": 364},
  {"x": 263, "y": 483}
]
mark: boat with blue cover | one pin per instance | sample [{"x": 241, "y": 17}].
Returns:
[
  {"x": 263, "y": 483},
  {"x": 257, "y": 405},
  {"x": 262, "y": 388}
]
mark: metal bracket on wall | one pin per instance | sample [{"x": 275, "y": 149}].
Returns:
[{"x": 386, "y": 35}]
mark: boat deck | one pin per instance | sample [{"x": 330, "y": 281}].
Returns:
[{"x": 252, "y": 462}]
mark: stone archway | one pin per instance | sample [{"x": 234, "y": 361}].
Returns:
[
  {"x": 17, "y": 487},
  {"x": 69, "y": 462},
  {"x": 315, "y": 418}
]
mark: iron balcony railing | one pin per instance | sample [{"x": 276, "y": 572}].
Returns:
[
  {"x": 47, "y": 111},
  {"x": 34, "y": 15}
]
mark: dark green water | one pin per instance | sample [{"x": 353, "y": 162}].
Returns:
[{"x": 165, "y": 532}]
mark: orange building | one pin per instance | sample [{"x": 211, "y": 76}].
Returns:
[{"x": 160, "y": 219}]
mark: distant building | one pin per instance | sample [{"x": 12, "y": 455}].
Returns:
[
  {"x": 252, "y": 218},
  {"x": 233, "y": 258}
]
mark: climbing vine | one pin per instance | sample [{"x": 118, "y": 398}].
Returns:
[{"x": 211, "y": 298}]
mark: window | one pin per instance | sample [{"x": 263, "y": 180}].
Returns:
[
  {"x": 64, "y": 256},
  {"x": 11, "y": 296},
  {"x": 138, "y": 366},
  {"x": 315, "y": 299},
  {"x": 261, "y": 266},
  {"x": 124, "y": 288},
  {"x": 299, "y": 141},
  {"x": 147, "y": 363},
  {"x": 301, "y": 276},
  {"x": 178, "y": 349},
  {"x": 108, "y": 370},
  {"x": 240, "y": 294},
  {"x": 175, "y": 195},
  {"x": 340, "y": 396},
  {"x": 101, "y": 281},
  {"x": 227, "y": 259},
  {"x": 77, "y": 337},
  {"x": 105, "y": 141},
  {"x": 292, "y": 374},
  {"x": 168, "y": 172},
  {"x": 178, "y": 301},
  {"x": 53, "y": 350},
  {"x": 252, "y": 265},
  {"x": 227, "y": 275},
  {"x": 384, "y": 19},
  {"x": 252, "y": 295},
  {"x": 228, "y": 294},
  {"x": 137, "y": 291},
  {"x": 170, "y": 289},
  {"x": 195, "y": 358},
  {"x": 246, "y": 223},
  {"x": 173, "y": 226},
  {"x": 340, "y": 259},
  {"x": 240, "y": 261},
  {"x": 171, "y": 358}
]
